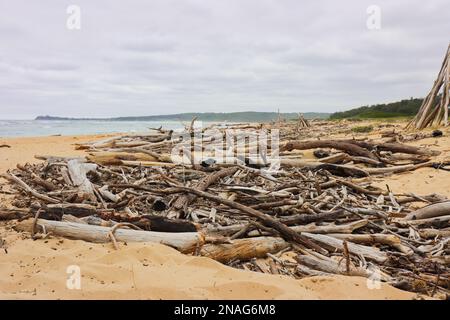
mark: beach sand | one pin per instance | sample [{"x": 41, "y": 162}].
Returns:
[
  {"x": 426, "y": 180},
  {"x": 38, "y": 269}
]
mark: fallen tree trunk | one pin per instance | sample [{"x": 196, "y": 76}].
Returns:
[
  {"x": 404, "y": 148},
  {"x": 185, "y": 242},
  {"x": 431, "y": 211},
  {"x": 442, "y": 220},
  {"x": 433, "y": 233},
  {"x": 51, "y": 159},
  {"x": 368, "y": 252},
  {"x": 349, "y": 148},
  {"x": 343, "y": 170},
  {"x": 393, "y": 147},
  {"x": 325, "y": 229},
  {"x": 331, "y": 266},
  {"x": 332, "y": 228},
  {"x": 335, "y": 158},
  {"x": 397, "y": 169},
  {"x": 308, "y": 218},
  {"x": 111, "y": 158},
  {"x": 243, "y": 249},
  {"x": 336, "y": 169},
  {"x": 144, "y": 221},
  {"x": 311, "y": 228},
  {"x": 299, "y": 163},
  {"x": 127, "y": 154},
  {"x": 388, "y": 239}
]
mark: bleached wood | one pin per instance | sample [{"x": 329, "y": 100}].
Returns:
[
  {"x": 244, "y": 249},
  {"x": 325, "y": 229},
  {"x": 332, "y": 228},
  {"x": 182, "y": 241},
  {"x": 330, "y": 266},
  {"x": 388, "y": 239},
  {"x": 11, "y": 177},
  {"x": 368, "y": 252},
  {"x": 431, "y": 211},
  {"x": 418, "y": 222},
  {"x": 77, "y": 171}
]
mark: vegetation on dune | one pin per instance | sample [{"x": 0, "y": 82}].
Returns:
[{"x": 403, "y": 108}]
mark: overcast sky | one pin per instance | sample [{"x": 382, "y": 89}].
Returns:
[{"x": 170, "y": 56}]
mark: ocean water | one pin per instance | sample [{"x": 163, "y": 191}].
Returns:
[{"x": 31, "y": 128}]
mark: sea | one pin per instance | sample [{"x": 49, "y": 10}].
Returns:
[{"x": 32, "y": 128}]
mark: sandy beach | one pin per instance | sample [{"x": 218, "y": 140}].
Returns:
[
  {"x": 225, "y": 150},
  {"x": 37, "y": 269}
]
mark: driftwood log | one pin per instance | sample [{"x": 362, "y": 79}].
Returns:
[
  {"x": 330, "y": 266},
  {"x": 183, "y": 241},
  {"x": 186, "y": 242},
  {"x": 431, "y": 211},
  {"x": 387, "y": 239},
  {"x": 243, "y": 249},
  {"x": 335, "y": 144},
  {"x": 337, "y": 244}
]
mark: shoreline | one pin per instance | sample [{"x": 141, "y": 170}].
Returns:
[{"x": 23, "y": 149}]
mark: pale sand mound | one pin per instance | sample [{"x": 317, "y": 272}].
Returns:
[{"x": 37, "y": 270}]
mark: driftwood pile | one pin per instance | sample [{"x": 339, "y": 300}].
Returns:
[{"x": 311, "y": 217}]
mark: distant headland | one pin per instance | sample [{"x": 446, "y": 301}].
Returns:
[{"x": 248, "y": 116}]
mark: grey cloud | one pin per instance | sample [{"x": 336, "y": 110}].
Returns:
[{"x": 169, "y": 56}]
